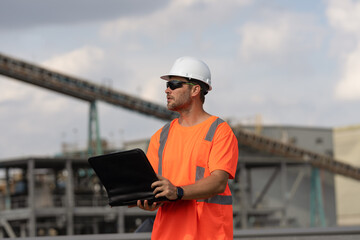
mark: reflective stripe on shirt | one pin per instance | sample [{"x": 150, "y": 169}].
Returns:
[
  {"x": 210, "y": 134},
  {"x": 163, "y": 138}
]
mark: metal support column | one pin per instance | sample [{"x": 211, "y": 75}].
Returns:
[
  {"x": 7, "y": 197},
  {"x": 317, "y": 214},
  {"x": 69, "y": 209},
  {"x": 121, "y": 220},
  {"x": 94, "y": 131},
  {"x": 243, "y": 197},
  {"x": 31, "y": 197},
  {"x": 284, "y": 193}
]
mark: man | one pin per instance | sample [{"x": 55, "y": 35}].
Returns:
[{"x": 194, "y": 157}]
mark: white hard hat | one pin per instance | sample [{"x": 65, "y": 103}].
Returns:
[{"x": 192, "y": 68}]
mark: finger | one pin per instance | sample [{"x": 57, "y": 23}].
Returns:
[
  {"x": 146, "y": 204},
  {"x": 156, "y": 184},
  {"x": 158, "y": 190},
  {"x": 160, "y": 194},
  {"x": 139, "y": 204},
  {"x": 153, "y": 206},
  {"x": 156, "y": 205}
]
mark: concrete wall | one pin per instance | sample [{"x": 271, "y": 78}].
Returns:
[{"x": 347, "y": 149}]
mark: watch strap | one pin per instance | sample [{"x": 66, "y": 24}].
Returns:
[{"x": 180, "y": 193}]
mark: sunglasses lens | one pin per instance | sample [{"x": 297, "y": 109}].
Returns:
[{"x": 174, "y": 84}]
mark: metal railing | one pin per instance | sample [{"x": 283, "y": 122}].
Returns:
[{"x": 334, "y": 233}]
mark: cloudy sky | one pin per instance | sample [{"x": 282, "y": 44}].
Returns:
[{"x": 292, "y": 62}]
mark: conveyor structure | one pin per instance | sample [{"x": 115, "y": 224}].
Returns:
[
  {"x": 295, "y": 153},
  {"x": 78, "y": 88},
  {"x": 91, "y": 92}
]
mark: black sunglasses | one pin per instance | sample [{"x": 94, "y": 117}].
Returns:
[{"x": 174, "y": 84}]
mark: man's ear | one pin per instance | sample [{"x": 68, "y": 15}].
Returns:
[{"x": 195, "y": 90}]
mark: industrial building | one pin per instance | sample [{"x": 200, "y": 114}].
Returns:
[
  {"x": 347, "y": 148},
  {"x": 290, "y": 187},
  {"x": 285, "y": 175}
]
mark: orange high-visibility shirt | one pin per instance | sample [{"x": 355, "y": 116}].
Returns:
[{"x": 184, "y": 155}]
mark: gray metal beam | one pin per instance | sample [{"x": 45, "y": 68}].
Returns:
[
  {"x": 121, "y": 220},
  {"x": 243, "y": 197},
  {"x": 31, "y": 198},
  {"x": 69, "y": 199},
  {"x": 7, "y": 193},
  {"x": 7, "y": 228},
  {"x": 284, "y": 194},
  {"x": 78, "y": 88},
  {"x": 266, "y": 188},
  {"x": 15, "y": 214},
  {"x": 295, "y": 185}
]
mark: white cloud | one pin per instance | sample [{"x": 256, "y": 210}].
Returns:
[
  {"x": 79, "y": 61},
  {"x": 348, "y": 88},
  {"x": 278, "y": 34},
  {"x": 344, "y": 17},
  {"x": 263, "y": 39},
  {"x": 190, "y": 18},
  {"x": 257, "y": 99},
  {"x": 146, "y": 83},
  {"x": 12, "y": 91},
  {"x": 177, "y": 17}
]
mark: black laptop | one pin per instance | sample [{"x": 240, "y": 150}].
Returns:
[{"x": 127, "y": 177}]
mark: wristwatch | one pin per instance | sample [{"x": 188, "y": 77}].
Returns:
[{"x": 179, "y": 193}]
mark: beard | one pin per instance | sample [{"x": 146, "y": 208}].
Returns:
[{"x": 179, "y": 103}]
